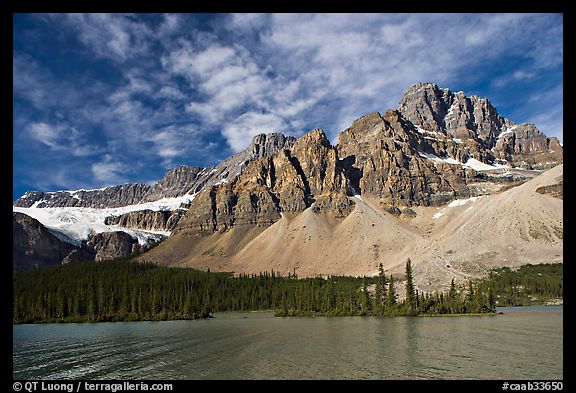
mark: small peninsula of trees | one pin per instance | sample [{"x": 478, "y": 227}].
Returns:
[{"x": 124, "y": 290}]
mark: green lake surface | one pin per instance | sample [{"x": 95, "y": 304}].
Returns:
[{"x": 523, "y": 343}]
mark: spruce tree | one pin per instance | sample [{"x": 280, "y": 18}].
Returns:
[
  {"x": 452, "y": 300},
  {"x": 365, "y": 305},
  {"x": 391, "y": 297},
  {"x": 491, "y": 300},
  {"x": 410, "y": 302},
  {"x": 470, "y": 298},
  {"x": 381, "y": 292},
  {"x": 382, "y": 280}
]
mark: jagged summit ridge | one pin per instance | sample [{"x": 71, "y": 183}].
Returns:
[{"x": 474, "y": 125}]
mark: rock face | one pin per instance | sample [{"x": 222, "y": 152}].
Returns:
[
  {"x": 376, "y": 193},
  {"x": 163, "y": 220},
  {"x": 470, "y": 127},
  {"x": 176, "y": 182},
  {"x": 412, "y": 156},
  {"x": 127, "y": 194},
  {"x": 380, "y": 157},
  {"x": 35, "y": 246},
  {"x": 287, "y": 181},
  {"x": 109, "y": 245}
]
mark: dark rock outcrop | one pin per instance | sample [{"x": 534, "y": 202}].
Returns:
[
  {"x": 127, "y": 194},
  {"x": 555, "y": 190},
  {"x": 109, "y": 245},
  {"x": 33, "y": 245},
  {"x": 333, "y": 204}
]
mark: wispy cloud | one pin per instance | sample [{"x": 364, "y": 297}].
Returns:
[
  {"x": 46, "y": 134},
  {"x": 110, "y": 171},
  {"x": 113, "y": 36},
  {"x": 249, "y": 124}
]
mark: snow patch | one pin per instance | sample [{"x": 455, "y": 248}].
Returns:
[
  {"x": 507, "y": 132},
  {"x": 35, "y": 204},
  {"x": 435, "y": 158},
  {"x": 471, "y": 163},
  {"x": 477, "y": 165},
  {"x": 423, "y": 131},
  {"x": 79, "y": 190},
  {"x": 221, "y": 181},
  {"x": 438, "y": 215},
  {"x": 461, "y": 202},
  {"x": 451, "y": 109}
]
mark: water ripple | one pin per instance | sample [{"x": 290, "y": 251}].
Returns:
[{"x": 511, "y": 346}]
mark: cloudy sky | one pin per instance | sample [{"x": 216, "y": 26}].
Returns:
[{"x": 104, "y": 99}]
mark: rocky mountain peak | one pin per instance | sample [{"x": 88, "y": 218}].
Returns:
[
  {"x": 316, "y": 137},
  {"x": 176, "y": 182},
  {"x": 477, "y": 129},
  {"x": 264, "y": 145}
]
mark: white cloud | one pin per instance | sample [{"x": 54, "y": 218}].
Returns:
[
  {"x": 168, "y": 142},
  {"x": 171, "y": 25},
  {"x": 112, "y": 36},
  {"x": 251, "y": 21},
  {"x": 250, "y": 124},
  {"x": 109, "y": 171},
  {"x": 46, "y": 133},
  {"x": 170, "y": 92},
  {"x": 514, "y": 76}
]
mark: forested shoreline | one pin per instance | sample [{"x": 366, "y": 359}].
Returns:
[{"x": 124, "y": 290}]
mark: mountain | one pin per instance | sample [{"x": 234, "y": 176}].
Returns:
[
  {"x": 378, "y": 195},
  {"x": 469, "y": 127},
  {"x": 33, "y": 245},
  {"x": 323, "y": 209},
  {"x": 459, "y": 240},
  {"x": 147, "y": 213}
]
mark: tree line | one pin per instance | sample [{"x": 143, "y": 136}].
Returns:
[
  {"x": 124, "y": 290},
  {"x": 525, "y": 285}
]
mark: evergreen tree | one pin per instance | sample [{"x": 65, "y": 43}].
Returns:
[
  {"x": 125, "y": 290},
  {"x": 381, "y": 292},
  {"x": 469, "y": 303},
  {"x": 391, "y": 297},
  {"x": 452, "y": 298},
  {"x": 410, "y": 302},
  {"x": 365, "y": 303},
  {"x": 491, "y": 300}
]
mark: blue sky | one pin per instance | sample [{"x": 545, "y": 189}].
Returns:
[{"x": 105, "y": 99}]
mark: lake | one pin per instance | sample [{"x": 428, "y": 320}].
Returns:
[{"x": 522, "y": 343}]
